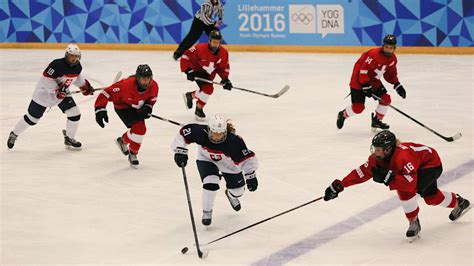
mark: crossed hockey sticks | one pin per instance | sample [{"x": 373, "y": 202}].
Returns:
[
  {"x": 185, "y": 249},
  {"x": 276, "y": 95},
  {"x": 117, "y": 77}
]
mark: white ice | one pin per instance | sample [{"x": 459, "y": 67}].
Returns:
[{"x": 89, "y": 207}]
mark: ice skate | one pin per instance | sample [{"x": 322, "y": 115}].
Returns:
[
  {"x": 11, "y": 140},
  {"x": 132, "y": 158},
  {"x": 413, "y": 230},
  {"x": 71, "y": 144},
  {"x": 207, "y": 217},
  {"x": 234, "y": 202},
  {"x": 188, "y": 99},
  {"x": 463, "y": 206},
  {"x": 200, "y": 116},
  {"x": 377, "y": 124},
  {"x": 122, "y": 146},
  {"x": 340, "y": 119}
]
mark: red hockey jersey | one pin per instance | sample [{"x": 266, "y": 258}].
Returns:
[
  {"x": 406, "y": 160},
  {"x": 200, "y": 58},
  {"x": 124, "y": 94},
  {"x": 371, "y": 67}
]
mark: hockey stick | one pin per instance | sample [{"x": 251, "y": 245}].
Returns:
[
  {"x": 190, "y": 207},
  {"x": 276, "y": 95},
  {"x": 448, "y": 139},
  {"x": 257, "y": 223},
  {"x": 167, "y": 120},
  {"x": 117, "y": 77}
]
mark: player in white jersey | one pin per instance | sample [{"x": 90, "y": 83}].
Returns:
[
  {"x": 221, "y": 153},
  {"x": 53, "y": 89}
]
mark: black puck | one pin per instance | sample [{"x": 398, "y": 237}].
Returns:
[{"x": 184, "y": 250}]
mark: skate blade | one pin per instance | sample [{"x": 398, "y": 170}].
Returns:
[
  {"x": 134, "y": 166},
  {"x": 376, "y": 130},
  {"x": 200, "y": 119},
  {"x": 413, "y": 239},
  {"x": 71, "y": 148},
  {"x": 464, "y": 212}
]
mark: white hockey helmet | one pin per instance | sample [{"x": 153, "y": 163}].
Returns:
[
  {"x": 217, "y": 129},
  {"x": 73, "y": 49}
]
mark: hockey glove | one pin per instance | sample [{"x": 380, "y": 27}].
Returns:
[
  {"x": 181, "y": 156},
  {"x": 190, "y": 74},
  {"x": 251, "y": 180},
  {"x": 101, "y": 116},
  {"x": 400, "y": 90},
  {"x": 87, "y": 89},
  {"x": 227, "y": 84},
  {"x": 62, "y": 90},
  {"x": 382, "y": 175},
  {"x": 333, "y": 190},
  {"x": 145, "y": 112},
  {"x": 367, "y": 90}
]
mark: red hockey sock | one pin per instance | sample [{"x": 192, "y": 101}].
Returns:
[
  {"x": 442, "y": 198},
  {"x": 134, "y": 136}
]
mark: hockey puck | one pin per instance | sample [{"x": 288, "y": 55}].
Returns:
[{"x": 184, "y": 250}]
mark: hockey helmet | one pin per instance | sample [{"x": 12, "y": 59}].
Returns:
[
  {"x": 217, "y": 129},
  {"x": 214, "y": 35},
  {"x": 143, "y": 71},
  {"x": 385, "y": 140},
  {"x": 390, "y": 39},
  {"x": 72, "y": 49}
]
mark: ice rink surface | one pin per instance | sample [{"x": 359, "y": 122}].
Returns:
[{"x": 89, "y": 207}]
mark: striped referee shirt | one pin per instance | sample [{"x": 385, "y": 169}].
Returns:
[{"x": 208, "y": 11}]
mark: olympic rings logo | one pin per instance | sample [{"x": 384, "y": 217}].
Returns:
[{"x": 303, "y": 18}]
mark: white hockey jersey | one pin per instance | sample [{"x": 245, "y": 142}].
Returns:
[
  {"x": 57, "y": 73},
  {"x": 230, "y": 156}
]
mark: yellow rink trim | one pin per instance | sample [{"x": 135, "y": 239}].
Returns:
[{"x": 245, "y": 48}]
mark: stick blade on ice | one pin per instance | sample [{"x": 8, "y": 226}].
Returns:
[{"x": 283, "y": 91}]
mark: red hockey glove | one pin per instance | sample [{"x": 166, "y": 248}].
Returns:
[
  {"x": 62, "y": 90},
  {"x": 87, "y": 89}
]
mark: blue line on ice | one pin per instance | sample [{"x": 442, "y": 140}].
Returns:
[{"x": 350, "y": 224}]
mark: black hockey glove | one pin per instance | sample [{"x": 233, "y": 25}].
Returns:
[
  {"x": 382, "y": 175},
  {"x": 101, "y": 116},
  {"x": 181, "y": 156},
  {"x": 333, "y": 190},
  {"x": 227, "y": 84},
  {"x": 367, "y": 90},
  {"x": 251, "y": 180},
  {"x": 190, "y": 74},
  {"x": 145, "y": 112},
  {"x": 400, "y": 90}
]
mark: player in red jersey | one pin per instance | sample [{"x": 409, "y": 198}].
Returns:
[
  {"x": 133, "y": 100},
  {"x": 368, "y": 71},
  {"x": 205, "y": 61},
  {"x": 410, "y": 169}
]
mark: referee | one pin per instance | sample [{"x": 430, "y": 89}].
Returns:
[{"x": 203, "y": 21}]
